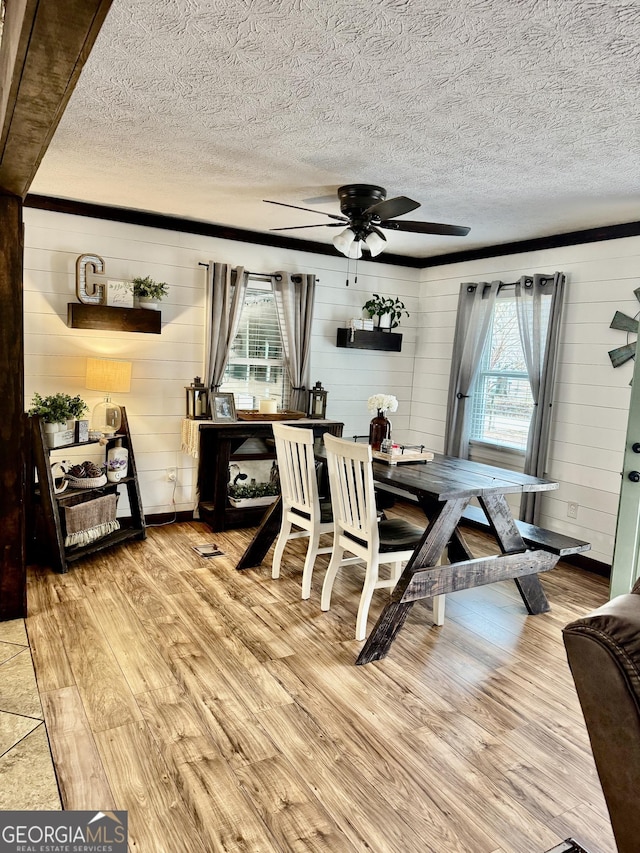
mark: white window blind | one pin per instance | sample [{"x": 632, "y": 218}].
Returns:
[
  {"x": 502, "y": 404},
  {"x": 255, "y": 369}
]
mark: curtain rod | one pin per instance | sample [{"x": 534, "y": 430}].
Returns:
[{"x": 264, "y": 276}]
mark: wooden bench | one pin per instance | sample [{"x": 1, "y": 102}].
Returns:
[{"x": 536, "y": 537}]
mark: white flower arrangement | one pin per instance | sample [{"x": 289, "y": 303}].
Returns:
[{"x": 382, "y": 402}]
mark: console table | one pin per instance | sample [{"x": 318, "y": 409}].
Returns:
[{"x": 221, "y": 444}]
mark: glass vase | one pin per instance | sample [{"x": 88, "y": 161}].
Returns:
[{"x": 379, "y": 429}]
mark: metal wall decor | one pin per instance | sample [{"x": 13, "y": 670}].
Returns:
[
  {"x": 624, "y": 323},
  {"x": 94, "y": 288},
  {"x": 90, "y": 289}
]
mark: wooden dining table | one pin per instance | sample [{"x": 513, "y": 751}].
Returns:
[{"x": 443, "y": 488}]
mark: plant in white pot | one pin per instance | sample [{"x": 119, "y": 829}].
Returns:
[
  {"x": 58, "y": 413},
  {"x": 388, "y": 311},
  {"x": 148, "y": 292}
]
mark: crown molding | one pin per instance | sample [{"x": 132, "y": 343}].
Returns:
[
  {"x": 225, "y": 232},
  {"x": 196, "y": 226},
  {"x": 569, "y": 238}
]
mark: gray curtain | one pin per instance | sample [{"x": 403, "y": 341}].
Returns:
[
  {"x": 224, "y": 298},
  {"x": 541, "y": 356},
  {"x": 294, "y": 297},
  {"x": 475, "y": 309}
]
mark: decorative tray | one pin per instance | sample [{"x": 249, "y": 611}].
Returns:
[
  {"x": 400, "y": 455},
  {"x": 255, "y": 415}
]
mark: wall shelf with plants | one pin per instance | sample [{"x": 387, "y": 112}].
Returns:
[
  {"x": 143, "y": 317},
  {"x": 387, "y": 313}
]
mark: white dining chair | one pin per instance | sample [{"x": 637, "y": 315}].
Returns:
[
  {"x": 303, "y": 514},
  {"x": 357, "y": 530}
]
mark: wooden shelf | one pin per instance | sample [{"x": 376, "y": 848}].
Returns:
[
  {"x": 386, "y": 341},
  {"x": 221, "y": 444},
  {"x": 107, "y": 317},
  {"x": 48, "y": 542}
]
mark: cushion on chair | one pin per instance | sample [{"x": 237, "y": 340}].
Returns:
[
  {"x": 395, "y": 535},
  {"x": 398, "y": 535},
  {"x": 326, "y": 512}
]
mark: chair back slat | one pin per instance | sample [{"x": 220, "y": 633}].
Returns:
[
  {"x": 352, "y": 488},
  {"x": 296, "y": 465}
]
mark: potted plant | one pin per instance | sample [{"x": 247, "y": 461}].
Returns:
[
  {"x": 148, "y": 292},
  {"x": 58, "y": 412},
  {"x": 255, "y": 494},
  {"x": 388, "y": 311}
]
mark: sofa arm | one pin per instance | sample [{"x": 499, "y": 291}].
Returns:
[{"x": 603, "y": 650}]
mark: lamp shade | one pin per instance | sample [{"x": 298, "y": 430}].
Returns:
[
  {"x": 355, "y": 249},
  {"x": 344, "y": 240},
  {"x": 375, "y": 243},
  {"x": 105, "y": 374}
]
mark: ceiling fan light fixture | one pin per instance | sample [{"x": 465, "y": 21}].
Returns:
[
  {"x": 355, "y": 249},
  {"x": 344, "y": 241},
  {"x": 375, "y": 243}
]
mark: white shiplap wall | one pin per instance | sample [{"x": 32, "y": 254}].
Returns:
[
  {"x": 592, "y": 399},
  {"x": 55, "y": 356},
  {"x": 591, "y": 402}
]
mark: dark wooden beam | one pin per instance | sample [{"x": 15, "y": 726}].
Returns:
[
  {"x": 226, "y": 232},
  {"x": 197, "y": 226},
  {"x": 45, "y": 44},
  {"x": 13, "y": 435},
  {"x": 44, "y": 48},
  {"x": 537, "y": 244}
]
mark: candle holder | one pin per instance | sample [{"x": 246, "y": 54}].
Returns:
[
  {"x": 197, "y": 400},
  {"x": 317, "y": 401}
]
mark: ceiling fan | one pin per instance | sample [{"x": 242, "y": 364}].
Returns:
[{"x": 365, "y": 209}]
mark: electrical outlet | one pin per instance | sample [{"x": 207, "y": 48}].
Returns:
[
  {"x": 172, "y": 475},
  {"x": 572, "y": 509}
]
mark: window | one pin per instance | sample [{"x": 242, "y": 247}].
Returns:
[
  {"x": 256, "y": 365},
  {"x": 501, "y": 395}
]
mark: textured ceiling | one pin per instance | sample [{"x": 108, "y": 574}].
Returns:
[{"x": 518, "y": 118}]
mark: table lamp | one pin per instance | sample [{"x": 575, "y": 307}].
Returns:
[{"x": 108, "y": 375}]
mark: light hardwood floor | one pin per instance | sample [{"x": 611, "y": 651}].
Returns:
[{"x": 226, "y": 714}]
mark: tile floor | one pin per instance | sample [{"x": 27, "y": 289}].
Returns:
[{"x": 27, "y": 780}]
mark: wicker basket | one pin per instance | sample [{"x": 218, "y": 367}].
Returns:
[{"x": 86, "y": 482}]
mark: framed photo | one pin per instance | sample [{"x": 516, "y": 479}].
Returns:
[{"x": 223, "y": 407}]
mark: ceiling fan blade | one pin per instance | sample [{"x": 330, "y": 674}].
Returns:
[
  {"x": 317, "y": 225},
  {"x": 393, "y": 207},
  {"x": 426, "y": 228},
  {"x": 317, "y": 212}
]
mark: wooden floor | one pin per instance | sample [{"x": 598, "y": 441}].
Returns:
[{"x": 225, "y": 714}]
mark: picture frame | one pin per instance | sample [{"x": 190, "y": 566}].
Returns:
[
  {"x": 223, "y": 407},
  {"x": 119, "y": 293}
]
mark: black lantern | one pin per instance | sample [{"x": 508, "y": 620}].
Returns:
[
  {"x": 197, "y": 400},
  {"x": 317, "y": 401}
]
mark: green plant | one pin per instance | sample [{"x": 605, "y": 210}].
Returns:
[
  {"x": 57, "y": 408},
  {"x": 255, "y": 490},
  {"x": 77, "y": 407},
  {"x": 147, "y": 288},
  {"x": 378, "y": 306}
]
